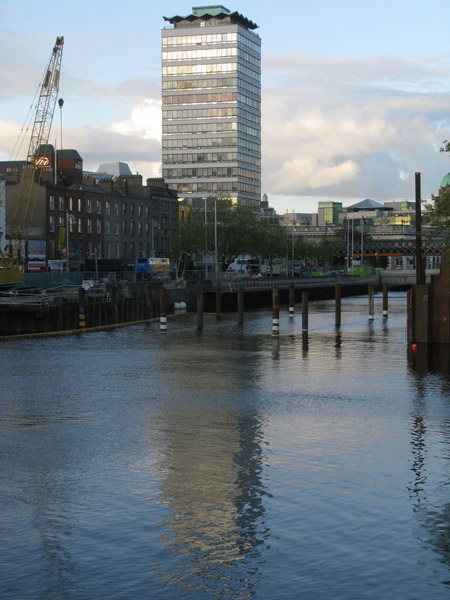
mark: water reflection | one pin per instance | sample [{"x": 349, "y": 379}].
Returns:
[
  {"x": 37, "y": 492},
  {"x": 429, "y": 365},
  {"x": 430, "y": 358},
  {"x": 53, "y": 527},
  {"x": 212, "y": 471},
  {"x": 305, "y": 344},
  {"x": 213, "y": 486},
  {"x": 338, "y": 344}
]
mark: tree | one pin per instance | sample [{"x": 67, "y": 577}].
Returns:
[
  {"x": 439, "y": 209},
  {"x": 236, "y": 230},
  {"x": 240, "y": 231},
  {"x": 187, "y": 240},
  {"x": 439, "y": 215}
]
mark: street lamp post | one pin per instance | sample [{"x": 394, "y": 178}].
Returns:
[
  {"x": 215, "y": 237},
  {"x": 293, "y": 245},
  {"x": 348, "y": 244},
  {"x": 206, "y": 242},
  {"x": 69, "y": 219}
]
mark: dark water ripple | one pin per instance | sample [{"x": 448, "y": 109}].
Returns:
[{"x": 227, "y": 463}]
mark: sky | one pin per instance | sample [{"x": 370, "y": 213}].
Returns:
[{"x": 355, "y": 94}]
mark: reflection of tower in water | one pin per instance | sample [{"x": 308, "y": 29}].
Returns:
[{"x": 213, "y": 487}]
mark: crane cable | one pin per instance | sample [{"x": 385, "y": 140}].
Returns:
[
  {"x": 61, "y": 104},
  {"x": 28, "y": 121}
]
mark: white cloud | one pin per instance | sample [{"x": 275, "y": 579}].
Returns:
[
  {"x": 303, "y": 173},
  {"x": 144, "y": 121},
  {"x": 352, "y": 128}
]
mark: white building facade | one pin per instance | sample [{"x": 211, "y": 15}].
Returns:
[{"x": 211, "y": 106}]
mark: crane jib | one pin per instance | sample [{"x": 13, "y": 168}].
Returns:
[{"x": 26, "y": 200}]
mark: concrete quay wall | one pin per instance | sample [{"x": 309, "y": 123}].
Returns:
[{"x": 403, "y": 278}]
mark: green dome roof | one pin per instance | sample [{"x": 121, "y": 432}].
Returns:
[{"x": 446, "y": 180}]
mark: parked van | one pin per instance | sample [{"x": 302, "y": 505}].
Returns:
[{"x": 243, "y": 266}]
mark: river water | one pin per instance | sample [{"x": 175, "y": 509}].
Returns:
[{"x": 227, "y": 463}]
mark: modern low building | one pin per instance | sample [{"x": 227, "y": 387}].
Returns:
[
  {"x": 328, "y": 213},
  {"x": 211, "y": 103}
]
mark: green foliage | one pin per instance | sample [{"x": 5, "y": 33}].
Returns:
[
  {"x": 446, "y": 146},
  {"x": 438, "y": 210},
  {"x": 188, "y": 237},
  {"x": 326, "y": 250},
  {"x": 439, "y": 215},
  {"x": 241, "y": 231}
]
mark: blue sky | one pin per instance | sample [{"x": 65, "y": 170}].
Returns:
[{"x": 355, "y": 94}]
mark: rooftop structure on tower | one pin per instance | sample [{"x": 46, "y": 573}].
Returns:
[{"x": 211, "y": 102}]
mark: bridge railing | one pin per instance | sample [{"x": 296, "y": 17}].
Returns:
[{"x": 255, "y": 285}]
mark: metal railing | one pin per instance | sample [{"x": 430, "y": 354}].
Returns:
[
  {"x": 260, "y": 285},
  {"x": 25, "y": 300}
]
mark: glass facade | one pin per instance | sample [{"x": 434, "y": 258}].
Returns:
[{"x": 211, "y": 97}]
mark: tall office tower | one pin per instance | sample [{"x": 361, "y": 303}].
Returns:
[{"x": 211, "y": 97}]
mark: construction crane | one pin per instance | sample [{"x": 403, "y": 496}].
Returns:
[{"x": 14, "y": 257}]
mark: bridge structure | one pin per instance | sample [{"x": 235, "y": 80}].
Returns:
[
  {"x": 389, "y": 242},
  {"x": 284, "y": 283}
]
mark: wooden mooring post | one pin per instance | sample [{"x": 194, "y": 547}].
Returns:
[
  {"x": 148, "y": 302},
  {"x": 305, "y": 297},
  {"x": 81, "y": 308},
  {"x": 240, "y": 305},
  {"x": 275, "y": 311},
  {"x": 162, "y": 310},
  {"x": 218, "y": 299},
  {"x": 337, "y": 304},
  {"x": 199, "y": 305},
  {"x": 371, "y": 303},
  {"x": 291, "y": 300},
  {"x": 114, "y": 312},
  {"x": 385, "y": 301}
]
